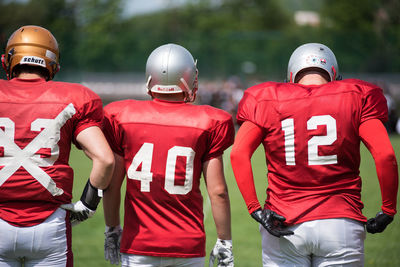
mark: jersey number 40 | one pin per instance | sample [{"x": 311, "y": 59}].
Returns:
[{"x": 144, "y": 157}]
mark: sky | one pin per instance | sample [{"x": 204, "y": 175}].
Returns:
[{"x": 134, "y": 7}]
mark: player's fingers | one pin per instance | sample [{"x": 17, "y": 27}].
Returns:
[
  {"x": 115, "y": 256},
  {"x": 286, "y": 232},
  {"x": 69, "y": 206},
  {"x": 212, "y": 259},
  {"x": 273, "y": 231},
  {"x": 84, "y": 215},
  {"x": 279, "y": 232},
  {"x": 112, "y": 260},
  {"x": 106, "y": 255},
  {"x": 75, "y": 222},
  {"x": 371, "y": 226},
  {"x": 278, "y": 217}
]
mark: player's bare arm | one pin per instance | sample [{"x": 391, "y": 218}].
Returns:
[
  {"x": 218, "y": 193},
  {"x": 213, "y": 171},
  {"x": 96, "y": 147},
  {"x": 111, "y": 206},
  {"x": 112, "y": 196}
]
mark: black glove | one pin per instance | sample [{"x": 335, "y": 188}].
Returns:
[
  {"x": 271, "y": 221},
  {"x": 379, "y": 223},
  {"x": 86, "y": 207}
]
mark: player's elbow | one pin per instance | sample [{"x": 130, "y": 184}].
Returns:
[
  {"x": 238, "y": 156},
  {"x": 386, "y": 157},
  {"x": 106, "y": 159},
  {"x": 104, "y": 165},
  {"x": 109, "y": 163},
  {"x": 219, "y": 192}
]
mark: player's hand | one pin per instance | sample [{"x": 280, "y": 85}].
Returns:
[
  {"x": 223, "y": 252},
  {"x": 79, "y": 212},
  {"x": 272, "y": 222},
  {"x": 379, "y": 223},
  {"x": 111, "y": 244}
]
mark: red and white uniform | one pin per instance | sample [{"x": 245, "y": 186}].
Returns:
[
  {"x": 312, "y": 145},
  {"x": 38, "y": 122},
  {"x": 164, "y": 145}
]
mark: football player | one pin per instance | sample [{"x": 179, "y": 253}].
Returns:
[
  {"x": 311, "y": 128},
  {"x": 39, "y": 118},
  {"x": 163, "y": 146}
]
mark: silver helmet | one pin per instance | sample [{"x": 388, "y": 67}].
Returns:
[
  {"x": 312, "y": 55},
  {"x": 171, "y": 69}
]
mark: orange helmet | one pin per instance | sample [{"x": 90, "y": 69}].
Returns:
[{"x": 31, "y": 45}]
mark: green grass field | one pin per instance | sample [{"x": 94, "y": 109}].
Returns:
[{"x": 380, "y": 249}]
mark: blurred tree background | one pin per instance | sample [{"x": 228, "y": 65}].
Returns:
[{"x": 248, "y": 38}]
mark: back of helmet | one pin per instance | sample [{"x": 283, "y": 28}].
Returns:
[
  {"x": 34, "y": 46},
  {"x": 171, "y": 69},
  {"x": 312, "y": 55}
]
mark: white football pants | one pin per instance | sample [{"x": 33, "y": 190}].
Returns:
[
  {"x": 131, "y": 260},
  {"x": 43, "y": 245},
  {"x": 329, "y": 242}
]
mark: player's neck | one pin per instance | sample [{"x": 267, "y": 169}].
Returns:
[
  {"x": 312, "y": 79},
  {"x": 29, "y": 76}
]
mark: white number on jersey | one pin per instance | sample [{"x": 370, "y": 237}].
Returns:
[
  {"x": 314, "y": 142},
  {"x": 48, "y": 137},
  {"x": 144, "y": 157}
]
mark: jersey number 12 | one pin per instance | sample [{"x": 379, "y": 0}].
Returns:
[{"x": 313, "y": 143}]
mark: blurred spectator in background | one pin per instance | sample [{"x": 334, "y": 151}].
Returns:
[
  {"x": 222, "y": 94},
  {"x": 390, "y": 125}
]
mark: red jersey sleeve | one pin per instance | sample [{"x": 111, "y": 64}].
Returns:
[
  {"x": 247, "y": 140},
  {"x": 376, "y": 139},
  {"x": 112, "y": 130},
  {"x": 374, "y": 104},
  {"x": 221, "y": 137},
  {"x": 89, "y": 114},
  {"x": 247, "y": 108}
]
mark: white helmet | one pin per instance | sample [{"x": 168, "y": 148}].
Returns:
[
  {"x": 313, "y": 55},
  {"x": 171, "y": 69}
]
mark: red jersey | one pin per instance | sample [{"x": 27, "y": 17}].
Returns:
[
  {"x": 312, "y": 145},
  {"x": 38, "y": 122},
  {"x": 164, "y": 145}
]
